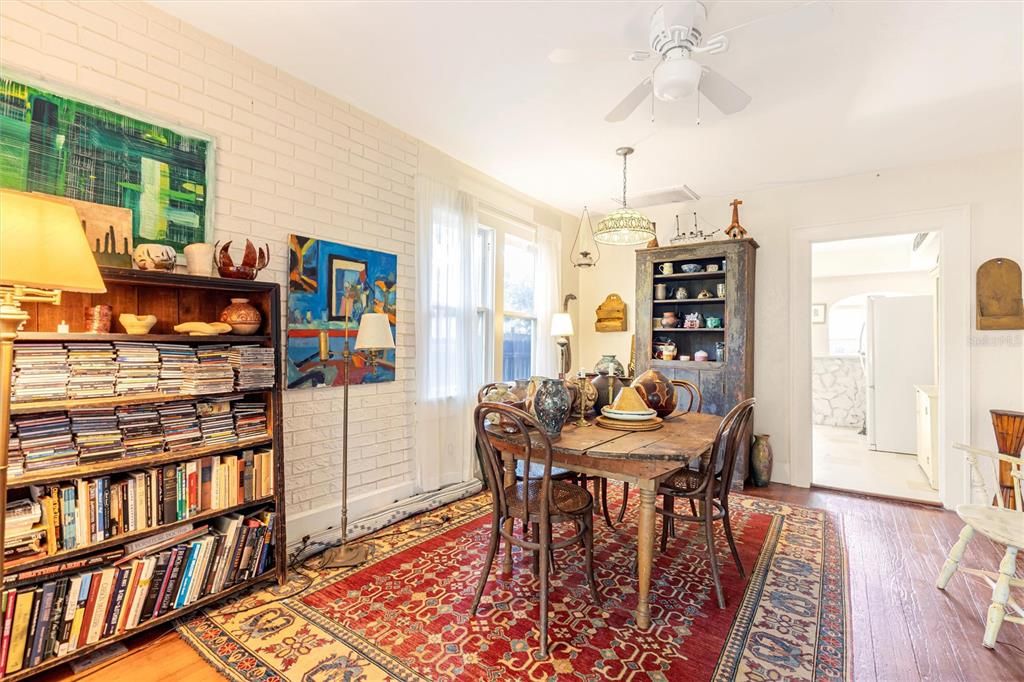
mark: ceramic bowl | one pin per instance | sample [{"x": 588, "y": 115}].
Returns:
[
  {"x": 136, "y": 324},
  {"x": 690, "y": 267}
]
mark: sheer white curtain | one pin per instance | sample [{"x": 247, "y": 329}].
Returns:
[
  {"x": 446, "y": 335},
  {"x": 548, "y": 299}
]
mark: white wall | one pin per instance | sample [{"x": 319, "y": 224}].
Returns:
[
  {"x": 289, "y": 159},
  {"x": 991, "y": 185}
]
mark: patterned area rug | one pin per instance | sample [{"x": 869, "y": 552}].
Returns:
[{"x": 405, "y": 614}]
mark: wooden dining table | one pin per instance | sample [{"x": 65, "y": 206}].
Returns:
[{"x": 641, "y": 458}]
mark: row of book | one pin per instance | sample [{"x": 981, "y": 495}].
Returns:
[
  {"x": 55, "y": 371},
  {"x": 87, "y": 435},
  {"x": 86, "y": 511},
  {"x": 118, "y": 593}
]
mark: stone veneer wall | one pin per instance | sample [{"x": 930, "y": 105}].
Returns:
[{"x": 839, "y": 390}]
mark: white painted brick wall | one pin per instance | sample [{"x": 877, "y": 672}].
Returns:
[{"x": 290, "y": 159}]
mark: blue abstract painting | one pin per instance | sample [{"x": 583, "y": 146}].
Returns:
[{"x": 330, "y": 286}]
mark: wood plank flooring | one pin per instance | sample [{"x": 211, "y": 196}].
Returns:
[{"x": 903, "y": 627}]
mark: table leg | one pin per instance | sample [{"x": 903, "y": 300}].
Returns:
[
  {"x": 510, "y": 480},
  {"x": 645, "y": 554}
]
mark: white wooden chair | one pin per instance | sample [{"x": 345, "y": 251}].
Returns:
[{"x": 1002, "y": 525}]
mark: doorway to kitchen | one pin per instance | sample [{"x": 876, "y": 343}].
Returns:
[{"x": 874, "y": 373}]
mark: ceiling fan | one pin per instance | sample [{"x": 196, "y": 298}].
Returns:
[
  {"x": 676, "y": 36},
  {"x": 677, "y": 74}
]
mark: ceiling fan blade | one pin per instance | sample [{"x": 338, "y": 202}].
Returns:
[
  {"x": 630, "y": 102},
  {"x": 722, "y": 92},
  {"x": 595, "y": 55},
  {"x": 658, "y": 21},
  {"x": 787, "y": 25}
]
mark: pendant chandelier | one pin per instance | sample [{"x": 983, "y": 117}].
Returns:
[
  {"x": 624, "y": 226},
  {"x": 585, "y": 252}
]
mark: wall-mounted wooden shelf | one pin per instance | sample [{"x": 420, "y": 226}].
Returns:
[
  {"x": 37, "y": 406},
  {"x": 691, "y": 275},
  {"x": 79, "y": 337},
  {"x": 688, "y": 301}
]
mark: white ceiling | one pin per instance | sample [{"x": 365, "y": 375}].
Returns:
[
  {"x": 871, "y": 255},
  {"x": 875, "y": 85}
]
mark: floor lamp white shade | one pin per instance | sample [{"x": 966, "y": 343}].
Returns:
[{"x": 374, "y": 332}]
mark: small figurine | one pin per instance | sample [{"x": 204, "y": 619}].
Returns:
[
  {"x": 704, "y": 293},
  {"x": 735, "y": 230},
  {"x": 693, "y": 321}
]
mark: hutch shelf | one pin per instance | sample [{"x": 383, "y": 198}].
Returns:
[
  {"x": 727, "y": 377},
  {"x": 173, "y": 298}
]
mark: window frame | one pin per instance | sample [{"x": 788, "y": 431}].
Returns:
[{"x": 501, "y": 225}]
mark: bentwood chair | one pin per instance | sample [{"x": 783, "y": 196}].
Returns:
[
  {"x": 557, "y": 473},
  {"x": 709, "y": 487},
  {"x": 541, "y": 502},
  {"x": 1000, "y": 524},
  {"x": 694, "y": 403}
]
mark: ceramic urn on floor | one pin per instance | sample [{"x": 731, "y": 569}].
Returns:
[{"x": 761, "y": 461}]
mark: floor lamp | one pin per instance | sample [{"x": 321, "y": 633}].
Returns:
[
  {"x": 43, "y": 251},
  {"x": 374, "y": 337}
]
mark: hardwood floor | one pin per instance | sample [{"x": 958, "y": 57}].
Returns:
[{"x": 903, "y": 627}]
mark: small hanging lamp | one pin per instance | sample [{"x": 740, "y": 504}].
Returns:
[
  {"x": 585, "y": 252},
  {"x": 624, "y": 226}
]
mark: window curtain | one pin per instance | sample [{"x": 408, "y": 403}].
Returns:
[
  {"x": 548, "y": 299},
  {"x": 446, "y": 335}
]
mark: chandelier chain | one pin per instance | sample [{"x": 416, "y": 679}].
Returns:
[{"x": 624, "y": 158}]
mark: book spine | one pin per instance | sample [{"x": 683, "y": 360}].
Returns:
[
  {"x": 156, "y": 583},
  {"x": 103, "y": 598},
  {"x": 247, "y": 478},
  {"x": 41, "y": 624},
  {"x": 71, "y": 605},
  {"x": 148, "y": 483},
  {"x": 10, "y": 599},
  {"x": 24, "y": 605},
  {"x": 173, "y": 578},
  {"x": 56, "y": 623},
  {"x": 90, "y": 608},
  {"x": 116, "y": 601},
  {"x": 193, "y": 488},
  {"x": 186, "y": 576},
  {"x": 55, "y": 514},
  {"x": 93, "y": 512},
  {"x": 79, "y": 618}
]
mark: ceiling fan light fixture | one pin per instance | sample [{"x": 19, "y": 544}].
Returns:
[{"x": 676, "y": 77}]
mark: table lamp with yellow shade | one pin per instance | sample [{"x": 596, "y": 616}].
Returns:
[{"x": 43, "y": 251}]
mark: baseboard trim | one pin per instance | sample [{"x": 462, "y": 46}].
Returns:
[{"x": 322, "y": 525}]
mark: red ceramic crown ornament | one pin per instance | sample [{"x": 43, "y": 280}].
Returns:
[{"x": 253, "y": 261}]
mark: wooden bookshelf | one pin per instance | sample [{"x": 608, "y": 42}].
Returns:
[
  {"x": 173, "y": 614},
  {"x": 174, "y": 299},
  {"x": 39, "y": 406},
  {"x": 114, "y": 466}
]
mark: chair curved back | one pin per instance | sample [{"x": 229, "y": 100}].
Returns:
[
  {"x": 485, "y": 388},
  {"x": 1006, "y": 479},
  {"x": 733, "y": 434},
  {"x": 691, "y": 389},
  {"x": 535, "y": 444}
]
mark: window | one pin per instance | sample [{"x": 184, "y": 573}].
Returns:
[{"x": 506, "y": 313}]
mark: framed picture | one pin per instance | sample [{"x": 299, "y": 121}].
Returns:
[
  {"x": 157, "y": 174},
  {"x": 330, "y": 287},
  {"x": 819, "y": 313}
]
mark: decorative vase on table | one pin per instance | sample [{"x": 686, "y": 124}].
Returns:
[
  {"x": 657, "y": 391},
  {"x": 588, "y": 392},
  {"x": 609, "y": 365},
  {"x": 243, "y": 317},
  {"x": 551, "y": 404},
  {"x": 502, "y": 393},
  {"x": 761, "y": 461},
  {"x": 608, "y": 387}
]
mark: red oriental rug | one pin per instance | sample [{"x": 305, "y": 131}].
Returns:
[{"x": 405, "y": 614}]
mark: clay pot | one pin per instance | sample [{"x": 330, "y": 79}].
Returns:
[
  {"x": 551, "y": 405},
  {"x": 607, "y": 388},
  {"x": 609, "y": 365},
  {"x": 761, "y": 458},
  {"x": 136, "y": 324},
  {"x": 199, "y": 259},
  {"x": 243, "y": 317},
  {"x": 669, "y": 320},
  {"x": 657, "y": 391},
  {"x": 154, "y": 257}
]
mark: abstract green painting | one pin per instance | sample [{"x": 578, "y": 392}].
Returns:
[{"x": 58, "y": 145}]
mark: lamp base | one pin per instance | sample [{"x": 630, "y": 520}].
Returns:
[{"x": 345, "y": 556}]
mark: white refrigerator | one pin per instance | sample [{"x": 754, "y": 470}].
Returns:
[{"x": 900, "y": 348}]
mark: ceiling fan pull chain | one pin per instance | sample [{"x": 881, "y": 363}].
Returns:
[{"x": 698, "y": 109}]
